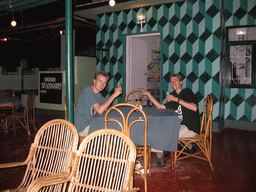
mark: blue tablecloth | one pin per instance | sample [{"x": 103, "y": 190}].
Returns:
[{"x": 163, "y": 127}]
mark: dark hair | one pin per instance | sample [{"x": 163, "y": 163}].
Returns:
[
  {"x": 101, "y": 73},
  {"x": 176, "y": 75}
]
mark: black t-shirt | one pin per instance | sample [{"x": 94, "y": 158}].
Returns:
[{"x": 188, "y": 117}]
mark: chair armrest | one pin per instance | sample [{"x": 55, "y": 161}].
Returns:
[
  {"x": 15, "y": 164},
  {"x": 130, "y": 190},
  {"x": 55, "y": 179}
]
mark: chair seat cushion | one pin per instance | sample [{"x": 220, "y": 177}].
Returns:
[{"x": 14, "y": 100}]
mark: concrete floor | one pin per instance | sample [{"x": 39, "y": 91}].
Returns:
[{"x": 233, "y": 158}]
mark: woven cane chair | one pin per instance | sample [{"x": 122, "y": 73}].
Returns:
[
  {"x": 202, "y": 140},
  {"x": 26, "y": 115},
  {"x": 126, "y": 126},
  {"x": 137, "y": 98},
  {"x": 52, "y": 151},
  {"x": 104, "y": 162},
  {"x": 7, "y": 93},
  {"x": 9, "y": 109},
  {"x": 8, "y": 113}
]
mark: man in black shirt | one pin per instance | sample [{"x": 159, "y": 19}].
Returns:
[{"x": 184, "y": 103}]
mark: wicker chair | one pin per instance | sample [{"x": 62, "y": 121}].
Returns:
[
  {"x": 137, "y": 98},
  {"x": 126, "y": 126},
  {"x": 10, "y": 109},
  {"x": 26, "y": 115},
  {"x": 203, "y": 140},
  {"x": 52, "y": 152},
  {"x": 7, "y": 93},
  {"x": 104, "y": 162}
]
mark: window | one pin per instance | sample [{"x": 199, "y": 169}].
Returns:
[{"x": 241, "y": 53}]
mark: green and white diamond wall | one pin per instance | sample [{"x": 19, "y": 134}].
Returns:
[
  {"x": 190, "y": 45},
  {"x": 240, "y": 104}
]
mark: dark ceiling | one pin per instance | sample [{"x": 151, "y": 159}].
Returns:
[
  {"x": 37, "y": 34},
  {"x": 38, "y": 23}
]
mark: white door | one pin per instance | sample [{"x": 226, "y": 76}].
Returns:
[{"x": 138, "y": 57}]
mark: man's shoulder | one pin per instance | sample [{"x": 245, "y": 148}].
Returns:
[
  {"x": 87, "y": 90},
  {"x": 188, "y": 90}
]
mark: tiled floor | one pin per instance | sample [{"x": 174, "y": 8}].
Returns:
[{"x": 233, "y": 158}]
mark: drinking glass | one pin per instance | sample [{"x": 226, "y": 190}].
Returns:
[{"x": 119, "y": 85}]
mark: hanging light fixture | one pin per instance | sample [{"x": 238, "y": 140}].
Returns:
[
  {"x": 13, "y": 22},
  {"x": 112, "y": 3}
]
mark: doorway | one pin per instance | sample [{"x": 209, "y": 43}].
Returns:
[{"x": 139, "y": 56}]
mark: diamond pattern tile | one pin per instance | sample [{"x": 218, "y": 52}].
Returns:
[
  {"x": 192, "y": 77},
  {"x": 206, "y": 34},
  {"x": 168, "y": 39},
  {"x": 252, "y": 12},
  {"x": 212, "y": 55},
  {"x": 186, "y": 58},
  {"x": 237, "y": 100},
  {"x": 240, "y": 13},
  {"x": 198, "y": 17},
  {"x": 251, "y": 100},
  {"x": 212, "y": 11},
  {"x": 205, "y": 77},
  {"x": 186, "y": 19},
  {"x": 174, "y": 20},
  {"x": 198, "y": 57},
  {"x": 180, "y": 39},
  {"x": 163, "y": 21},
  {"x": 174, "y": 58},
  {"x": 192, "y": 38}
]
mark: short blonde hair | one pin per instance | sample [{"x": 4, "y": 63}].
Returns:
[
  {"x": 176, "y": 75},
  {"x": 103, "y": 73}
]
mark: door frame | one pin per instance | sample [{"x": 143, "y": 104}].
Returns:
[{"x": 128, "y": 41}]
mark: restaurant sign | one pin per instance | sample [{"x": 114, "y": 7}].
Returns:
[{"x": 51, "y": 88}]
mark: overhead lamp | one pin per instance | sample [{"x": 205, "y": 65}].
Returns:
[
  {"x": 112, "y": 3},
  {"x": 13, "y": 22}
]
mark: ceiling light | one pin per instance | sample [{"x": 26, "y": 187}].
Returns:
[
  {"x": 112, "y": 3},
  {"x": 13, "y": 23}
]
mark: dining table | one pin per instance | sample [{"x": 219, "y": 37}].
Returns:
[{"x": 163, "y": 128}]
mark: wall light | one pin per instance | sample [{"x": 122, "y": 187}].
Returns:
[
  {"x": 112, "y": 3},
  {"x": 141, "y": 20}
]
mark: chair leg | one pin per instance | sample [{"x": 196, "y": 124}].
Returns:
[
  {"x": 149, "y": 160},
  {"x": 27, "y": 125},
  {"x": 3, "y": 124}
]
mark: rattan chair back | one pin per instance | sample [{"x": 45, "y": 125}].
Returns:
[
  {"x": 137, "y": 98},
  {"x": 26, "y": 116},
  {"x": 51, "y": 153},
  {"x": 203, "y": 140},
  {"x": 126, "y": 126},
  {"x": 104, "y": 162}
]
